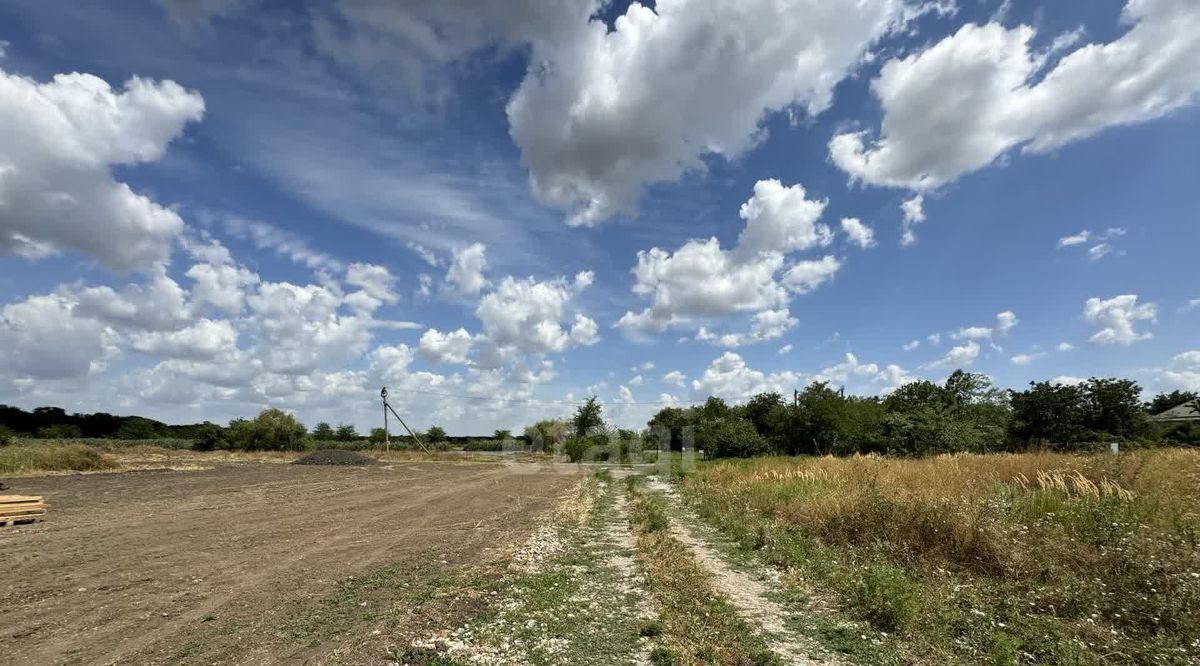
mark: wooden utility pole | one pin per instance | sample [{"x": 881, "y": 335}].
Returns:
[
  {"x": 388, "y": 408},
  {"x": 387, "y": 439}
]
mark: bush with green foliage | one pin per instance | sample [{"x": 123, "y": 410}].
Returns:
[
  {"x": 210, "y": 437},
  {"x": 138, "y": 428},
  {"x": 60, "y": 431},
  {"x": 434, "y": 435},
  {"x": 731, "y": 438},
  {"x": 345, "y": 433},
  {"x": 548, "y": 435},
  {"x": 589, "y": 448},
  {"x": 323, "y": 432},
  {"x": 485, "y": 444},
  {"x": 7, "y": 436},
  {"x": 377, "y": 436},
  {"x": 1182, "y": 434},
  {"x": 271, "y": 430}
]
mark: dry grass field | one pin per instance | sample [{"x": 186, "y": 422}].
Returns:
[{"x": 1022, "y": 558}]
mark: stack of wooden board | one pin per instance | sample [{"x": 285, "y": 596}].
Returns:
[{"x": 20, "y": 509}]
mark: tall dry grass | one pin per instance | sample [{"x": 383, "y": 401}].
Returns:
[
  {"x": 1077, "y": 554},
  {"x": 25, "y": 458}
]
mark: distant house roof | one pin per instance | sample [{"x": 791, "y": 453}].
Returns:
[{"x": 1188, "y": 411}]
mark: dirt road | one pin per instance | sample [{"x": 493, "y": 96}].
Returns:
[{"x": 252, "y": 562}]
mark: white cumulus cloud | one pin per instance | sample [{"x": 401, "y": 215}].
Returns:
[
  {"x": 58, "y": 144},
  {"x": 701, "y": 280},
  {"x": 603, "y": 113},
  {"x": 1117, "y": 319},
  {"x": 1000, "y": 102},
  {"x": 465, "y": 276},
  {"x": 860, "y": 234}
]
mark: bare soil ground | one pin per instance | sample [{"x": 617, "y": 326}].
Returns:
[{"x": 257, "y": 562}]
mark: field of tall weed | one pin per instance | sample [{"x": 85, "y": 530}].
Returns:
[
  {"x": 1008, "y": 558},
  {"x": 21, "y": 458}
]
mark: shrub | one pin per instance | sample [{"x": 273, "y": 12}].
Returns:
[
  {"x": 889, "y": 597},
  {"x": 137, "y": 428},
  {"x": 7, "y": 436},
  {"x": 548, "y": 435},
  {"x": 60, "y": 431},
  {"x": 483, "y": 445},
  {"x": 588, "y": 447},
  {"x": 210, "y": 438},
  {"x": 271, "y": 430},
  {"x": 732, "y": 438},
  {"x": 435, "y": 434},
  {"x": 52, "y": 457},
  {"x": 650, "y": 628},
  {"x": 1176, "y": 433}
]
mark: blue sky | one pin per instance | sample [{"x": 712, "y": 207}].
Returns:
[{"x": 212, "y": 206}]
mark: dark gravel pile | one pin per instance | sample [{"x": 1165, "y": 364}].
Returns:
[{"x": 335, "y": 457}]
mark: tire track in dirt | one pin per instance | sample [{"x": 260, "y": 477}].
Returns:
[{"x": 748, "y": 594}]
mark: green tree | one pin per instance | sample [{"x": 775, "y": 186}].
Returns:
[
  {"x": 377, "y": 436},
  {"x": 966, "y": 414},
  {"x": 915, "y": 395},
  {"x": 714, "y": 409},
  {"x": 589, "y": 418},
  {"x": 1049, "y": 413},
  {"x": 271, "y": 430},
  {"x": 1164, "y": 401},
  {"x": 137, "y": 428},
  {"x": 323, "y": 432},
  {"x": 345, "y": 433},
  {"x": 435, "y": 434},
  {"x": 733, "y": 438},
  {"x": 668, "y": 425},
  {"x": 761, "y": 411},
  {"x": 1112, "y": 408},
  {"x": 209, "y": 437},
  {"x": 502, "y": 434}
]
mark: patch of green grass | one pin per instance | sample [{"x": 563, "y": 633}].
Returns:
[
  {"x": 661, "y": 656},
  {"x": 575, "y": 607},
  {"x": 698, "y": 625},
  {"x": 650, "y": 628},
  {"x": 371, "y": 597},
  {"x": 420, "y": 656},
  {"x": 888, "y": 596},
  {"x": 52, "y": 458}
]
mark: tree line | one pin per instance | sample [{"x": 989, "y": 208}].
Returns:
[
  {"x": 966, "y": 413},
  {"x": 271, "y": 429}
]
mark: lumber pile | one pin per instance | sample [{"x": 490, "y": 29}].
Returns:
[{"x": 20, "y": 509}]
